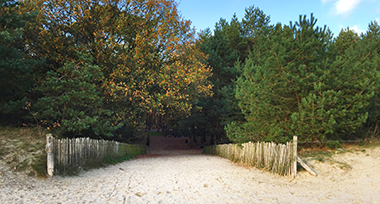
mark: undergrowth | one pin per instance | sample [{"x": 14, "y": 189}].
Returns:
[{"x": 155, "y": 133}]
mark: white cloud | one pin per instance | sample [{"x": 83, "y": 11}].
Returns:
[
  {"x": 357, "y": 29},
  {"x": 354, "y": 28},
  {"x": 344, "y": 7}
]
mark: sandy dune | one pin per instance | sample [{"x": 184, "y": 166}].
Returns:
[{"x": 174, "y": 173}]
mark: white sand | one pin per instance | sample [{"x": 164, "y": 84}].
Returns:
[{"x": 182, "y": 176}]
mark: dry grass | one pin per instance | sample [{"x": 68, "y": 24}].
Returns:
[
  {"x": 324, "y": 154},
  {"x": 23, "y": 150}
]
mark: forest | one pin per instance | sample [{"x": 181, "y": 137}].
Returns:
[{"x": 114, "y": 69}]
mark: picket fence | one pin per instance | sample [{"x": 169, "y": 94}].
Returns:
[
  {"x": 68, "y": 155},
  {"x": 277, "y": 158}
]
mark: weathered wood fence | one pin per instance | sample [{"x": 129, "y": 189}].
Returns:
[
  {"x": 276, "y": 158},
  {"x": 67, "y": 155}
]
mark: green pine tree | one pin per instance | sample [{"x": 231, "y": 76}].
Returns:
[
  {"x": 346, "y": 39},
  {"x": 229, "y": 44},
  {"x": 72, "y": 104},
  {"x": 16, "y": 68},
  {"x": 369, "y": 46},
  {"x": 294, "y": 83}
]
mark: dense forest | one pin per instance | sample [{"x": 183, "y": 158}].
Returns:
[{"x": 115, "y": 69}]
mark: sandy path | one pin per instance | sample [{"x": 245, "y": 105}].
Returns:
[{"x": 179, "y": 174}]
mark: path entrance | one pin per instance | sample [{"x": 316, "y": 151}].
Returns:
[{"x": 172, "y": 145}]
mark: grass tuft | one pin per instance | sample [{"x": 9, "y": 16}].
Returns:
[{"x": 39, "y": 166}]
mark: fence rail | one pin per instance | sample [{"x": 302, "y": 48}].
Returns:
[
  {"x": 276, "y": 158},
  {"x": 65, "y": 155}
]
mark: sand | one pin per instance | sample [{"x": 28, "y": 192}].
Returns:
[{"x": 174, "y": 173}]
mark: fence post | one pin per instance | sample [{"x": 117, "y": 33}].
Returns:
[
  {"x": 50, "y": 154},
  {"x": 294, "y": 159}
]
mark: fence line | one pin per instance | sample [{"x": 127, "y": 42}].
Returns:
[
  {"x": 276, "y": 158},
  {"x": 65, "y": 155}
]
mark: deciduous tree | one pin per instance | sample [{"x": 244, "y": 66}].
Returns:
[{"x": 146, "y": 51}]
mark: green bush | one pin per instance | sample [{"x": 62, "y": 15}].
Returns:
[{"x": 333, "y": 144}]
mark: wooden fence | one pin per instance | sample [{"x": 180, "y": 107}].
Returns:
[
  {"x": 67, "y": 155},
  {"x": 276, "y": 158}
]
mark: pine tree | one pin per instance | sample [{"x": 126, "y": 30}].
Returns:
[
  {"x": 16, "y": 68},
  {"x": 295, "y": 84},
  {"x": 346, "y": 39},
  {"x": 227, "y": 46},
  {"x": 72, "y": 102},
  {"x": 221, "y": 57},
  {"x": 369, "y": 46}
]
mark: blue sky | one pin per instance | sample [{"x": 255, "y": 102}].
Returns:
[{"x": 336, "y": 14}]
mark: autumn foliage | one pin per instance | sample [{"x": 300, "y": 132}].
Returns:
[{"x": 147, "y": 54}]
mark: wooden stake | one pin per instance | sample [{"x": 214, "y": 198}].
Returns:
[
  {"x": 294, "y": 159},
  {"x": 304, "y": 165},
  {"x": 50, "y": 154}
]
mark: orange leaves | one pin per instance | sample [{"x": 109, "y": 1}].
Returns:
[{"x": 147, "y": 52}]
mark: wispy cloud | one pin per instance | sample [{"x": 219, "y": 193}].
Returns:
[
  {"x": 344, "y": 7},
  {"x": 357, "y": 29}
]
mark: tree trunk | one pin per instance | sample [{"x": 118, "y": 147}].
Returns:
[
  {"x": 203, "y": 140},
  {"x": 212, "y": 141},
  {"x": 148, "y": 140}
]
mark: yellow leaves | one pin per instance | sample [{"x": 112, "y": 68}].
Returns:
[{"x": 133, "y": 54}]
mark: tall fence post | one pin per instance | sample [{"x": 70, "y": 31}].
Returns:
[
  {"x": 50, "y": 154},
  {"x": 294, "y": 159}
]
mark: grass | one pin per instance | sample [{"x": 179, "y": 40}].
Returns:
[
  {"x": 155, "y": 133},
  {"x": 96, "y": 164},
  {"x": 322, "y": 155},
  {"x": 23, "y": 150},
  {"x": 325, "y": 154},
  {"x": 127, "y": 151},
  {"x": 39, "y": 166}
]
